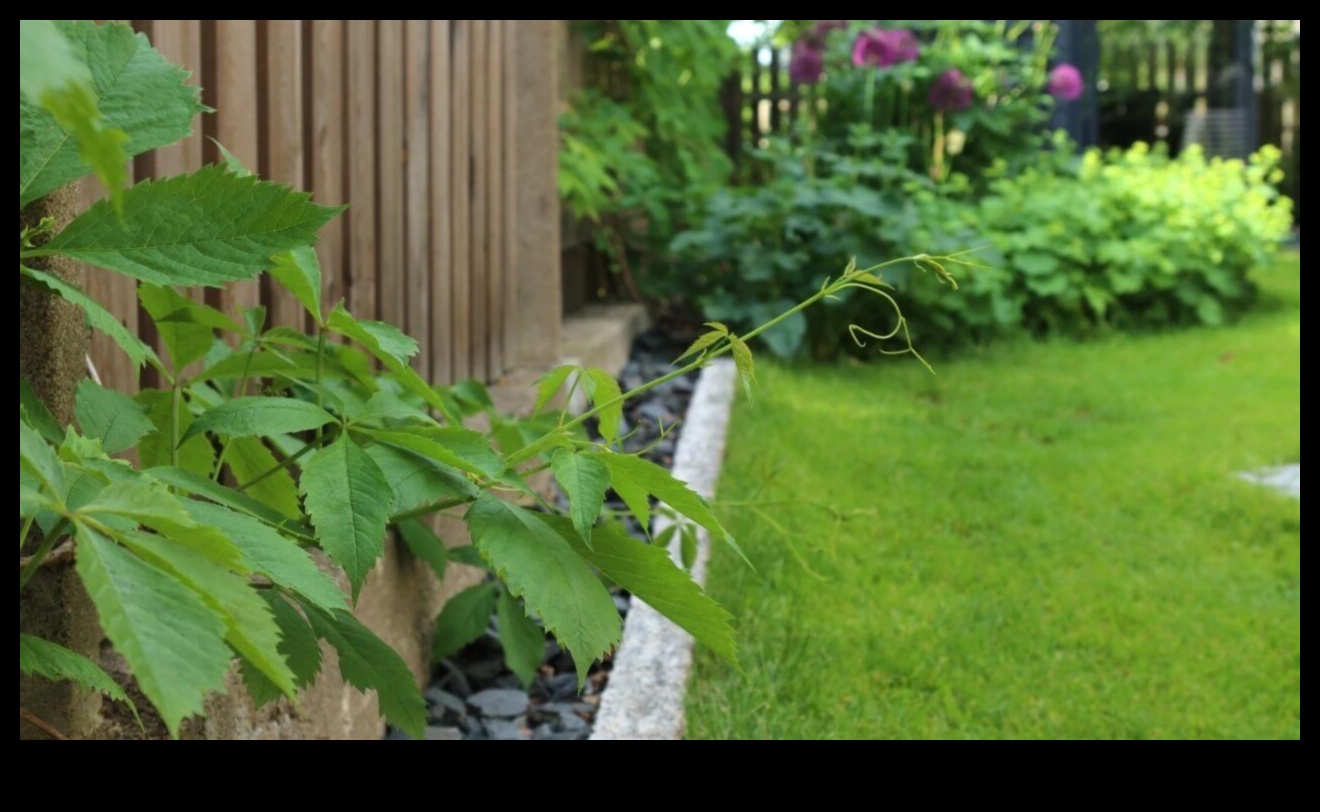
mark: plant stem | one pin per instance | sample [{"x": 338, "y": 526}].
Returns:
[
  {"x": 458, "y": 501},
  {"x": 287, "y": 462},
  {"x": 36, "y": 721},
  {"x": 320, "y": 366},
  {"x": 238, "y": 393},
  {"x": 176, "y": 395},
  {"x": 47, "y": 544},
  {"x": 24, "y": 531}
]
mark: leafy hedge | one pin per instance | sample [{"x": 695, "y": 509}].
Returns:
[{"x": 1073, "y": 245}]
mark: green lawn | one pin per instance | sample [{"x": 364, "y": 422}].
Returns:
[{"x": 1045, "y": 540}]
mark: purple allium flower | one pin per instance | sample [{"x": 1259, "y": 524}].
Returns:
[
  {"x": 951, "y": 91},
  {"x": 1066, "y": 83},
  {"x": 807, "y": 65},
  {"x": 882, "y": 49}
]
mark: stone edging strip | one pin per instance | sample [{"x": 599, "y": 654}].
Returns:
[{"x": 644, "y": 698}]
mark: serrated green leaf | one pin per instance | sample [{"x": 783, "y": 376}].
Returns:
[
  {"x": 207, "y": 228},
  {"x": 637, "y": 498},
  {"x": 249, "y": 624},
  {"x": 261, "y": 365},
  {"x": 688, "y": 546},
  {"x": 742, "y": 358},
  {"x": 47, "y": 61},
  {"x": 39, "y": 460},
  {"x": 57, "y": 663},
  {"x": 468, "y": 556},
  {"x": 425, "y": 545},
  {"x": 463, "y": 449},
  {"x": 171, "y": 638},
  {"x": 297, "y": 641},
  {"x": 350, "y": 504},
  {"x": 299, "y": 271},
  {"x": 38, "y": 416},
  {"x": 550, "y": 384},
  {"x": 134, "y": 89},
  {"x": 673, "y": 492},
  {"x": 164, "y": 513},
  {"x": 268, "y": 553},
  {"x": 522, "y": 640},
  {"x": 604, "y": 392},
  {"x": 186, "y": 327},
  {"x": 649, "y": 573},
  {"x": 463, "y": 619},
  {"x": 111, "y": 417},
  {"x": 260, "y": 416},
  {"x": 248, "y": 459},
  {"x": 418, "y": 481},
  {"x": 190, "y": 483},
  {"x": 98, "y": 317},
  {"x": 368, "y": 664},
  {"x": 393, "y": 349},
  {"x": 554, "y": 582},
  {"x": 473, "y": 396},
  {"x": 234, "y": 165},
  {"x": 196, "y": 455},
  {"x": 699, "y": 346},
  {"x": 585, "y": 479}
]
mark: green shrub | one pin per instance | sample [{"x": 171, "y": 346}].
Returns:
[{"x": 1125, "y": 240}]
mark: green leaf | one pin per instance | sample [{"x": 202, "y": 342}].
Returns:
[
  {"x": 171, "y": 638},
  {"x": 56, "y": 97},
  {"x": 98, "y": 317},
  {"x": 299, "y": 271},
  {"x": 196, "y": 454},
  {"x": 232, "y": 163},
  {"x": 188, "y": 482},
  {"x": 186, "y": 327},
  {"x": 260, "y": 416},
  {"x": 39, "y": 460},
  {"x": 248, "y": 459},
  {"x": 38, "y": 416},
  {"x": 46, "y": 60},
  {"x": 742, "y": 358},
  {"x": 164, "y": 513},
  {"x": 702, "y": 344},
  {"x": 134, "y": 89},
  {"x": 369, "y": 664},
  {"x": 207, "y": 228},
  {"x": 463, "y": 449},
  {"x": 474, "y": 397},
  {"x": 522, "y": 639},
  {"x": 649, "y": 573},
  {"x": 585, "y": 479},
  {"x": 463, "y": 619},
  {"x": 603, "y": 389},
  {"x": 111, "y": 417},
  {"x": 270, "y": 554},
  {"x": 537, "y": 565},
  {"x": 249, "y": 624},
  {"x": 350, "y": 503},
  {"x": 393, "y": 349},
  {"x": 418, "y": 481},
  {"x": 636, "y": 497},
  {"x": 425, "y": 545},
  {"x": 550, "y": 384},
  {"x": 297, "y": 641},
  {"x": 57, "y": 663},
  {"x": 468, "y": 556},
  {"x": 675, "y": 493}
]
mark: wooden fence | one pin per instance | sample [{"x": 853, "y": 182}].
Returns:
[{"x": 438, "y": 133}]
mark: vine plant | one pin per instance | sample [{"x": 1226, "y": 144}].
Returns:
[{"x": 265, "y": 444}]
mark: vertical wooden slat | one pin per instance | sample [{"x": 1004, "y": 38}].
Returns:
[
  {"x": 442, "y": 363},
  {"x": 390, "y": 186},
  {"x": 325, "y": 122},
  {"x": 360, "y": 149},
  {"x": 460, "y": 179},
  {"x": 480, "y": 188},
  {"x": 282, "y": 135},
  {"x": 230, "y": 86},
  {"x": 180, "y": 41},
  {"x": 509, "y": 54},
  {"x": 417, "y": 113},
  {"x": 776, "y": 116},
  {"x": 495, "y": 198}
]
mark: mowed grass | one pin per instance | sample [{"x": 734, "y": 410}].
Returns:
[{"x": 1044, "y": 540}]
